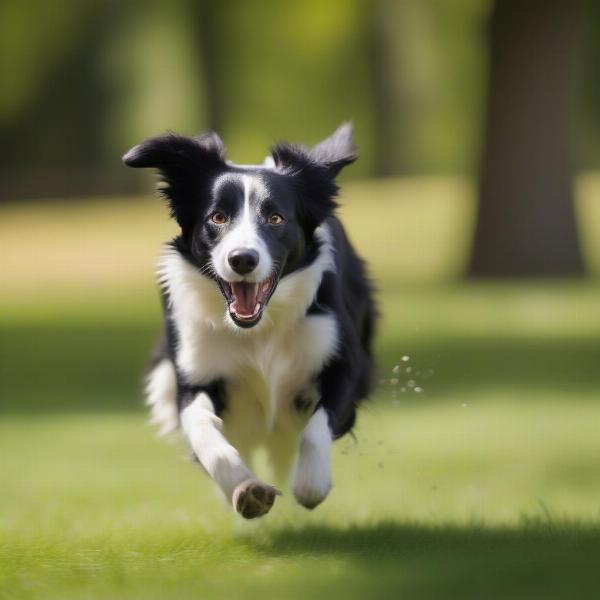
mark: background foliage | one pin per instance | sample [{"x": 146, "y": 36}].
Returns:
[{"x": 474, "y": 470}]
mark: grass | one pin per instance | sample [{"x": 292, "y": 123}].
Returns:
[
  {"x": 492, "y": 499},
  {"x": 484, "y": 484}
]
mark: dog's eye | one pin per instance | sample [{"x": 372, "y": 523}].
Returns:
[
  {"x": 275, "y": 219},
  {"x": 218, "y": 218}
]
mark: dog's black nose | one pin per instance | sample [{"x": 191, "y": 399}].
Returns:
[{"x": 243, "y": 260}]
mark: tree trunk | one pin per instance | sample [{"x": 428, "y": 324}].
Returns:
[
  {"x": 206, "y": 13},
  {"x": 386, "y": 85},
  {"x": 526, "y": 220}
]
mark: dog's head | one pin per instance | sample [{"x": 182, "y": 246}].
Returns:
[{"x": 246, "y": 226}]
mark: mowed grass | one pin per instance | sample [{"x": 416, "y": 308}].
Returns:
[
  {"x": 490, "y": 500},
  {"x": 483, "y": 484}
]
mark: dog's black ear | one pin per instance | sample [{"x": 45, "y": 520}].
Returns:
[
  {"x": 336, "y": 151},
  {"x": 175, "y": 150},
  {"x": 184, "y": 164},
  {"x": 314, "y": 171},
  {"x": 315, "y": 186}
]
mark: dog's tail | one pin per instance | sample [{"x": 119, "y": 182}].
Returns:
[{"x": 161, "y": 396}]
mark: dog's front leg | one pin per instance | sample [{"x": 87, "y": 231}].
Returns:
[
  {"x": 339, "y": 388},
  {"x": 311, "y": 480},
  {"x": 204, "y": 432}
]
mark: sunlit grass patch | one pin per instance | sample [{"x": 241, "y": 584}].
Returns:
[{"x": 93, "y": 506}]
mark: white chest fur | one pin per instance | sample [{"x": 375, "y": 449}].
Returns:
[
  {"x": 265, "y": 368},
  {"x": 272, "y": 367}
]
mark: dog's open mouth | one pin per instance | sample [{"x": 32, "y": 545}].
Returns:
[{"x": 247, "y": 300}]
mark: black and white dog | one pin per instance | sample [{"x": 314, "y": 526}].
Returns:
[{"x": 269, "y": 315}]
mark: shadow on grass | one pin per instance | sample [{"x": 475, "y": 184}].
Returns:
[
  {"x": 74, "y": 367},
  {"x": 518, "y": 362},
  {"x": 65, "y": 366},
  {"x": 537, "y": 560}
]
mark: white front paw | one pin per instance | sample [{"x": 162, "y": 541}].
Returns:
[{"x": 311, "y": 482}]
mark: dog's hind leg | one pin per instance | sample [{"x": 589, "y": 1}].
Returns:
[
  {"x": 161, "y": 396},
  {"x": 204, "y": 431},
  {"x": 311, "y": 481}
]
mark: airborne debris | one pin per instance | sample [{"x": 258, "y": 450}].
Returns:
[{"x": 399, "y": 384}]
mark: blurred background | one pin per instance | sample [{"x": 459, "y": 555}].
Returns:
[{"x": 476, "y": 201}]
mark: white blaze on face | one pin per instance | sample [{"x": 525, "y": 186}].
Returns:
[{"x": 244, "y": 234}]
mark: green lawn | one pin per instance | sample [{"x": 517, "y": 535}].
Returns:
[
  {"x": 495, "y": 499},
  {"x": 485, "y": 484}
]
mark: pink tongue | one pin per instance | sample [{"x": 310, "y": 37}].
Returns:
[{"x": 245, "y": 296}]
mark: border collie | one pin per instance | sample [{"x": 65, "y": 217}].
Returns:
[{"x": 269, "y": 314}]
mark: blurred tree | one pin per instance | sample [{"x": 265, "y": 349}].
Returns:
[
  {"x": 57, "y": 93},
  {"x": 588, "y": 96},
  {"x": 82, "y": 81},
  {"x": 205, "y": 21},
  {"x": 286, "y": 70},
  {"x": 427, "y": 76},
  {"x": 526, "y": 220}
]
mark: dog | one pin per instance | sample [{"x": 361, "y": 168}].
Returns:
[{"x": 269, "y": 314}]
